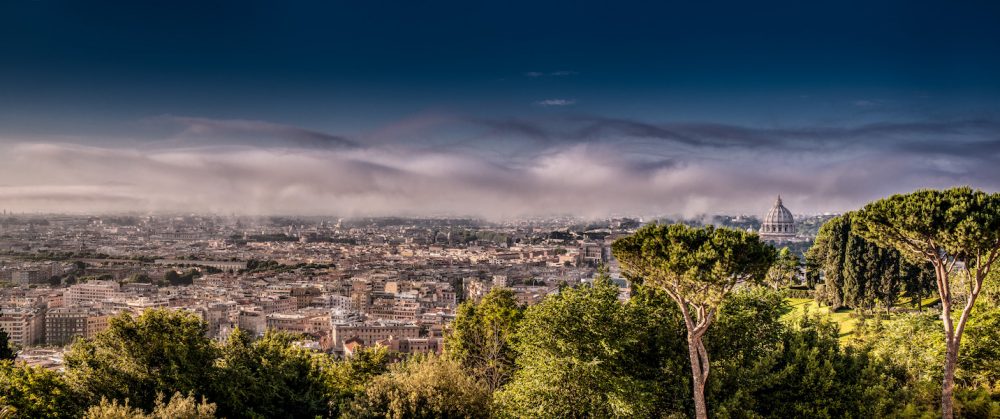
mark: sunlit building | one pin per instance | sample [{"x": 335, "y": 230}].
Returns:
[{"x": 778, "y": 224}]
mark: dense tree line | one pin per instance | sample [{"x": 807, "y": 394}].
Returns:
[
  {"x": 580, "y": 353},
  {"x": 272, "y": 266},
  {"x": 850, "y": 271},
  {"x": 138, "y": 361}
]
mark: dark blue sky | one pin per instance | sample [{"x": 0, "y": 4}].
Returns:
[
  {"x": 351, "y": 65},
  {"x": 512, "y": 82}
]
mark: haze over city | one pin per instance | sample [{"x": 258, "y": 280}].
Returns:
[{"x": 493, "y": 110}]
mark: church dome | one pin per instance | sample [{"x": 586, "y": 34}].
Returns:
[
  {"x": 778, "y": 224},
  {"x": 778, "y": 214}
]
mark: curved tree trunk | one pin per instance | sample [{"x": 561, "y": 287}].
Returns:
[
  {"x": 696, "y": 351},
  {"x": 699, "y": 375}
]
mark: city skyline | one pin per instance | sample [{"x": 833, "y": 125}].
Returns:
[{"x": 493, "y": 111}]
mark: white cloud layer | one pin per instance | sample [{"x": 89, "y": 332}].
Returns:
[{"x": 592, "y": 167}]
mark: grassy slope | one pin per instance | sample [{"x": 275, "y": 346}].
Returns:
[{"x": 841, "y": 317}]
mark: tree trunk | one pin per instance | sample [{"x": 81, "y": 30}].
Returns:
[
  {"x": 951, "y": 344},
  {"x": 699, "y": 374},
  {"x": 948, "y": 386}
]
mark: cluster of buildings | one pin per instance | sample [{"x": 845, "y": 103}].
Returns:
[{"x": 339, "y": 285}]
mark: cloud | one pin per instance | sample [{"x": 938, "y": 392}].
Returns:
[
  {"x": 556, "y": 102},
  {"x": 194, "y": 131},
  {"x": 944, "y": 135},
  {"x": 559, "y": 73},
  {"x": 499, "y": 168}
]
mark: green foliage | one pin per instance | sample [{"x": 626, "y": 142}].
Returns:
[
  {"x": 347, "y": 380},
  {"x": 801, "y": 371},
  {"x": 697, "y": 268},
  {"x": 784, "y": 270},
  {"x": 161, "y": 351},
  {"x": 766, "y": 367},
  {"x": 139, "y": 278},
  {"x": 179, "y": 407},
  {"x": 35, "y": 392},
  {"x": 173, "y": 278},
  {"x": 861, "y": 274},
  {"x": 424, "y": 387},
  {"x": 586, "y": 355},
  {"x": 482, "y": 337},
  {"x": 696, "y": 265},
  {"x": 7, "y": 353},
  {"x": 113, "y": 410},
  {"x": 269, "y": 377},
  {"x": 582, "y": 353},
  {"x": 943, "y": 228},
  {"x": 658, "y": 353},
  {"x": 960, "y": 222},
  {"x": 980, "y": 362},
  {"x": 913, "y": 341},
  {"x": 748, "y": 328}
]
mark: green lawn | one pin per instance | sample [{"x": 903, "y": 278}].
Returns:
[
  {"x": 842, "y": 317},
  {"x": 926, "y": 302}
]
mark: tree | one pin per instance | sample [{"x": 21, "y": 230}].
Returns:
[
  {"x": 172, "y": 277},
  {"x": 808, "y": 374},
  {"x": 135, "y": 358},
  {"x": 425, "y": 387},
  {"x": 784, "y": 270},
  {"x": 745, "y": 335},
  {"x": 35, "y": 392},
  {"x": 917, "y": 281},
  {"x": 269, "y": 377},
  {"x": 915, "y": 342},
  {"x": 482, "y": 337},
  {"x": 856, "y": 272},
  {"x": 583, "y": 353},
  {"x": 7, "y": 353},
  {"x": 859, "y": 273},
  {"x": 347, "y": 380},
  {"x": 826, "y": 258},
  {"x": 955, "y": 230},
  {"x": 179, "y": 406},
  {"x": 697, "y": 268},
  {"x": 980, "y": 362}
]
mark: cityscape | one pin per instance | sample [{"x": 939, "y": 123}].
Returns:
[
  {"x": 511, "y": 210},
  {"x": 342, "y": 283}
]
